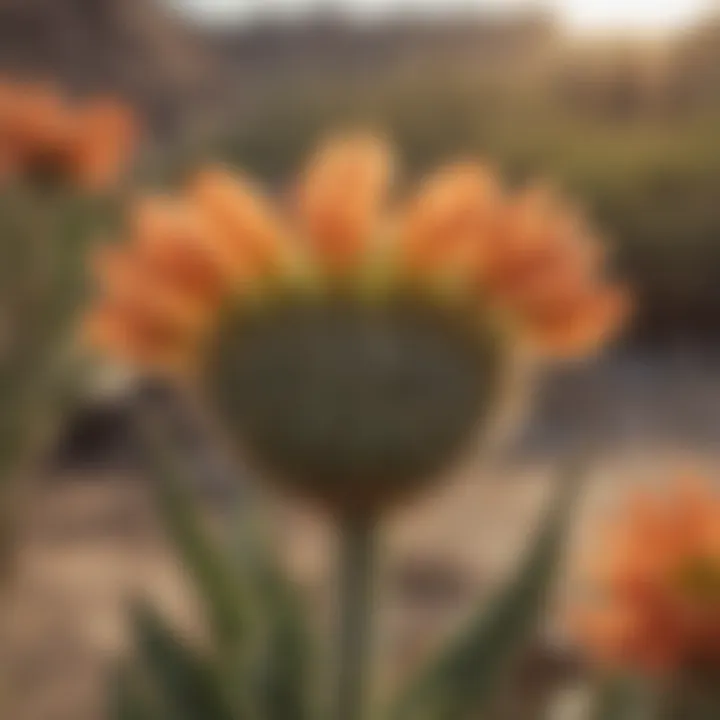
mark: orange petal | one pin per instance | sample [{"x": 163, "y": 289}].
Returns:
[
  {"x": 243, "y": 220},
  {"x": 550, "y": 281},
  {"x": 180, "y": 249},
  {"x": 126, "y": 338},
  {"x": 124, "y": 279},
  {"x": 541, "y": 245},
  {"x": 106, "y": 132},
  {"x": 452, "y": 214},
  {"x": 341, "y": 194},
  {"x": 581, "y": 328},
  {"x": 39, "y": 115},
  {"x": 38, "y": 131}
]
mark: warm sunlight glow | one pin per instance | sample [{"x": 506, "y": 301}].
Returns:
[
  {"x": 630, "y": 14},
  {"x": 580, "y": 15}
]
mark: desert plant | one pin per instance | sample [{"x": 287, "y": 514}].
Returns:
[
  {"x": 258, "y": 658},
  {"x": 55, "y": 163},
  {"x": 352, "y": 355}
]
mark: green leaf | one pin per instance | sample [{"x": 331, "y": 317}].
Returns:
[
  {"x": 283, "y": 669},
  {"x": 226, "y": 601},
  {"x": 253, "y": 610},
  {"x": 466, "y": 676},
  {"x": 286, "y": 676},
  {"x": 187, "y": 682}
]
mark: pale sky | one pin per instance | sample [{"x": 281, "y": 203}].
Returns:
[{"x": 581, "y": 15}]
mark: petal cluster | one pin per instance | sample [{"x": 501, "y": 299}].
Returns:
[
  {"x": 525, "y": 253},
  {"x": 187, "y": 256},
  {"x": 522, "y": 256},
  {"x": 654, "y": 602},
  {"x": 44, "y": 136}
]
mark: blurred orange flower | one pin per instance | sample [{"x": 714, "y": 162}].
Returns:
[
  {"x": 526, "y": 258},
  {"x": 655, "y": 587},
  {"x": 44, "y": 137}
]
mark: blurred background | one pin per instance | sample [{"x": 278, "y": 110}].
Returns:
[{"x": 616, "y": 101}]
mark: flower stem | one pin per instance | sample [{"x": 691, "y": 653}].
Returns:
[{"x": 355, "y": 627}]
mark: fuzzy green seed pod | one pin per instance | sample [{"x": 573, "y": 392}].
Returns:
[{"x": 355, "y": 406}]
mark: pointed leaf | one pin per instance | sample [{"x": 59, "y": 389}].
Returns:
[
  {"x": 253, "y": 610},
  {"x": 226, "y": 602},
  {"x": 186, "y": 681},
  {"x": 278, "y": 659},
  {"x": 283, "y": 672},
  {"x": 466, "y": 677},
  {"x": 286, "y": 679}
]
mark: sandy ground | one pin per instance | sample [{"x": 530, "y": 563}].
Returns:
[{"x": 92, "y": 542}]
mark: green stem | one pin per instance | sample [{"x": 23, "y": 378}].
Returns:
[{"x": 356, "y": 607}]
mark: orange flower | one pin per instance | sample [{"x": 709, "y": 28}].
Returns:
[
  {"x": 525, "y": 257},
  {"x": 655, "y": 588},
  {"x": 45, "y": 138}
]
